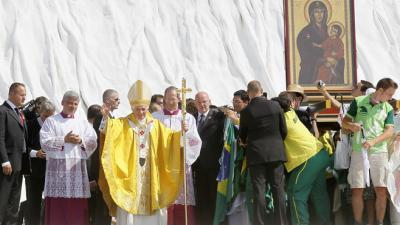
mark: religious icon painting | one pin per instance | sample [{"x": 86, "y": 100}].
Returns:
[{"x": 320, "y": 44}]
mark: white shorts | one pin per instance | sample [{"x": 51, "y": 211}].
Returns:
[{"x": 378, "y": 163}]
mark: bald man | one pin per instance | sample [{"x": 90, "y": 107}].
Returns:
[
  {"x": 210, "y": 125},
  {"x": 262, "y": 130}
]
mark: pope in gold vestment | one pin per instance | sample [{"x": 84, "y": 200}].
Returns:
[{"x": 142, "y": 164}]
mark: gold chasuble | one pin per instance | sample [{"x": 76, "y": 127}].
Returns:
[{"x": 140, "y": 183}]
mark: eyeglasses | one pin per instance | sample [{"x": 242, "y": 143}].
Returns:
[{"x": 237, "y": 101}]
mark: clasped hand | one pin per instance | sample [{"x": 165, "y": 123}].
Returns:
[
  {"x": 72, "y": 138},
  {"x": 41, "y": 154}
]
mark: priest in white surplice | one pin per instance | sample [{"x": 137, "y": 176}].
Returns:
[
  {"x": 171, "y": 116},
  {"x": 68, "y": 141},
  {"x": 142, "y": 163}
]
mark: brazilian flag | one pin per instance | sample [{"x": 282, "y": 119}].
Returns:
[{"x": 232, "y": 178}]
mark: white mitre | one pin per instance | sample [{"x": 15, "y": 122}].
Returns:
[{"x": 139, "y": 94}]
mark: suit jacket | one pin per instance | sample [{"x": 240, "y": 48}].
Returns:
[
  {"x": 93, "y": 163},
  {"x": 211, "y": 135},
  {"x": 263, "y": 129},
  {"x": 38, "y": 165},
  {"x": 12, "y": 139}
]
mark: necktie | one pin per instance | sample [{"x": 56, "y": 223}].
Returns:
[
  {"x": 201, "y": 122},
  {"x": 20, "y": 115}
]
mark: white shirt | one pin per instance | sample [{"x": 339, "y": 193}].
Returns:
[
  {"x": 199, "y": 116},
  {"x": 12, "y": 106}
]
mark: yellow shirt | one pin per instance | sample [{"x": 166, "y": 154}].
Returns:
[
  {"x": 300, "y": 144},
  {"x": 120, "y": 162},
  {"x": 326, "y": 140}
]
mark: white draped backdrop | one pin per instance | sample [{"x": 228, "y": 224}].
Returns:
[{"x": 218, "y": 45}]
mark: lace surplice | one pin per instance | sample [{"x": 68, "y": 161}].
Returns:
[
  {"x": 66, "y": 172},
  {"x": 193, "y": 147}
]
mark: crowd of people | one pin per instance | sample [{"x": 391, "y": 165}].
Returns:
[{"x": 267, "y": 158}]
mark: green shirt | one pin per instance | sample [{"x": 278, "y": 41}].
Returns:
[{"x": 374, "y": 119}]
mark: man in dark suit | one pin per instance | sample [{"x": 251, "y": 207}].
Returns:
[
  {"x": 12, "y": 151},
  {"x": 210, "y": 125},
  {"x": 262, "y": 130},
  {"x": 97, "y": 208},
  {"x": 35, "y": 182}
]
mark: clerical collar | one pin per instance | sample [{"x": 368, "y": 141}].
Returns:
[
  {"x": 66, "y": 116},
  {"x": 171, "y": 113}
]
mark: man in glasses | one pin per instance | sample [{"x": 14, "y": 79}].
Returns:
[
  {"x": 240, "y": 101},
  {"x": 97, "y": 208},
  {"x": 111, "y": 99}
]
